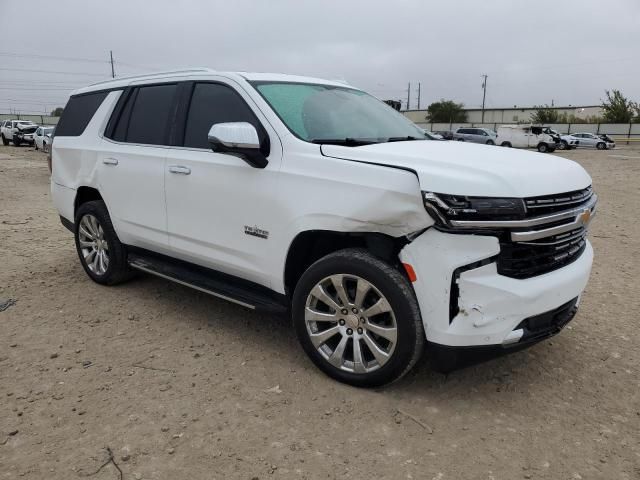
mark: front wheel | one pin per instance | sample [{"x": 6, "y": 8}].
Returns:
[
  {"x": 357, "y": 319},
  {"x": 564, "y": 145},
  {"x": 101, "y": 254},
  {"x": 461, "y": 139},
  {"x": 601, "y": 146},
  {"x": 542, "y": 148},
  {"x": 5, "y": 142},
  {"x": 506, "y": 144},
  {"x": 16, "y": 142},
  {"x": 490, "y": 142}
]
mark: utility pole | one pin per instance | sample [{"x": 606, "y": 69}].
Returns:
[
  {"x": 418, "y": 95},
  {"x": 484, "y": 94},
  {"x": 113, "y": 72},
  {"x": 408, "y": 95}
]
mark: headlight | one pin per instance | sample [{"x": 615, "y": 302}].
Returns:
[{"x": 445, "y": 208}]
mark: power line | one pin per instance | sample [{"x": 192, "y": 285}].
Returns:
[
  {"x": 52, "y": 71},
  {"x": 51, "y": 57}
]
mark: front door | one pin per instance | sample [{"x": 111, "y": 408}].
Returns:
[{"x": 219, "y": 208}]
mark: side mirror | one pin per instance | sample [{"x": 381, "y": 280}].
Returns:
[{"x": 240, "y": 138}]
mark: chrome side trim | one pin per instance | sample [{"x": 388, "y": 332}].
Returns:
[
  {"x": 210, "y": 292},
  {"x": 529, "y": 222}
]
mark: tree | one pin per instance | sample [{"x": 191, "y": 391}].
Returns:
[
  {"x": 446, "y": 111},
  {"x": 544, "y": 114},
  {"x": 617, "y": 108},
  {"x": 57, "y": 112}
]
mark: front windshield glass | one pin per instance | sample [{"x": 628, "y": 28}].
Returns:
[{"x": 330, "y": 114}]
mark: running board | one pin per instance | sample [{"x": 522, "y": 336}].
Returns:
[{"x": 226, "y": 287}]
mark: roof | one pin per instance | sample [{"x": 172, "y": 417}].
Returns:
[
  {"x": 535, "y": 107},
  {"x": 200, "y": 73}
]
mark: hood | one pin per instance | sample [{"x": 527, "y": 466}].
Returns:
[
  {"x": 27, "y": 128},
  {"x": 460, "y": 168}
]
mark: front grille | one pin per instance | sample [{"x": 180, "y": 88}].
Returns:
[
  {"x": 28, "y": 129},
  {"x": 546, "y": 204},
  {"x": 528, "y": 259}
]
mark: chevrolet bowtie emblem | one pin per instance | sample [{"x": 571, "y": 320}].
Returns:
[{"x": 585, "y": 216}]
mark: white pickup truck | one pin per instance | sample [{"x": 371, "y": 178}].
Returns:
[{"x": 18, "y": 132}]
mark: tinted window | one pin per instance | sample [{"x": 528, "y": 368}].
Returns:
[
  {"x": 77, "y": 114},
  {"x": 150, "y": 115},
  {"x": 214, "y": 103}
]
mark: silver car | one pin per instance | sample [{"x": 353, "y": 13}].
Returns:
[
  {"x": 601, "y": 142},
  {"x": 475, "y": 135}
]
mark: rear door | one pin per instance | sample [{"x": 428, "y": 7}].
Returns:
[
  {"x": 217, "y": 202},
  {"x": 132, "y": 164}
]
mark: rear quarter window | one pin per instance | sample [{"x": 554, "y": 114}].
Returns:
[{"x": 78, "y": 113}]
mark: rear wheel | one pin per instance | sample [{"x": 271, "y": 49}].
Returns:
[
  {"x": 601, "y": 146},
  {"x": 5, "y": 142},
  {"x": 461, "y": 139},
  {"x": 506, "y": 144},
  {"x": 101, "y": 254},
  {"x": 357, "y": 318}
]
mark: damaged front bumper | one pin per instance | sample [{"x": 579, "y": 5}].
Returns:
[{"x": 464, "y": 302}]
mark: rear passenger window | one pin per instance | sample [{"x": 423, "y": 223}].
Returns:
[
  {"x": 215, "y": 103},
  {"x": 78, "y": 113},
  {"x": 149, "y": 120}
]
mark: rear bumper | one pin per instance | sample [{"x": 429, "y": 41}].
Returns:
[{"x": 465, "y": 302}]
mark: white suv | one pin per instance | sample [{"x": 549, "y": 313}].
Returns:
[{"x": 293, "y": 194}]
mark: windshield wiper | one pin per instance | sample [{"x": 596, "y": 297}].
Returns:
[
  {"x": 349, "y": 142},
  {"x": 403, "y": 139}
]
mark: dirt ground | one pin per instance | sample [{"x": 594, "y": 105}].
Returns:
[{"x": 180, "y": 385}]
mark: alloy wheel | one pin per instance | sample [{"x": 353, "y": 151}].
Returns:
[
  {"x": 351, "y": 323},
  {"x": 93, "y": 244}
]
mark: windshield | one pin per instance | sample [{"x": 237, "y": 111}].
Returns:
[
  {"x": 330, "y": 114},
  {"x": 47, "y": 131}
]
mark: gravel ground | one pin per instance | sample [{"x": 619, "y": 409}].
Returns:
[{"x": 173, "y": 384}]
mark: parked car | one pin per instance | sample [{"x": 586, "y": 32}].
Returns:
[
  {"x": 592, "y": 140},
  {"x": 446, "y": 134},
  {"x": 262, "y": 190},
  {"x": 475, "y": 135},
  {"x": 432, "y": 135},
  {"x": 18, "y": 132},
  {"x": 42, "y": 138},
  {"x": 563, "y": 142},
  {"x": 525, "y": 136}
]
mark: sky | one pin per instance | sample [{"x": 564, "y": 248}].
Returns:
[{"x": 563, "y": 51}]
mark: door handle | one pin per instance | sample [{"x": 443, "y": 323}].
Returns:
[
  {"x": 110, "y": 161},
  {"x": 179, "y": 169}
]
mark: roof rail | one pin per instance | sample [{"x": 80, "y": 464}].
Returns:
[{"x": 153, "y": 74}]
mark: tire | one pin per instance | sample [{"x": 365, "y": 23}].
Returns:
[
  {"x": 490, "y": 142},
  {"x": 506, "y": 144},
  {"x": 35, "y": 145},
  {"x": 461, "y": 139},
  {"x": 85, "y": 229},
  {"x": 16, "y": 142},
  {"x": 601, "y": 146},
  {"x": 44, "y": 146},
  {"x": 5, "y": 142},
  {"x": 542, "y": 148},
  {"x": 564, "y": 145},
  {"x": 397, "y": 351}
]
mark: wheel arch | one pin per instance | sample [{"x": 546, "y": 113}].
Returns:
[
  {"x": 85, "y": 194},
  {"x": 309, "y": 246}
]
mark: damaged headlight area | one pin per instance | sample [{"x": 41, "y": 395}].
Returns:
[{"x": 446, "y": 209}]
